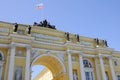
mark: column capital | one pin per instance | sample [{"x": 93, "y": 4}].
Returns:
[
  {"x": 110, "y": 57},
  {"x": 96, "y": 56},
  {"x": 100, "y": 56},
  {"x": 80, "y": 54},
  {"x": 12, "y": 46},
  {"x": 28, "y": 46},
  {"x": 68, "y": 51}
]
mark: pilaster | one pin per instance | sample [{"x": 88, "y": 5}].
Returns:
[
  {"x": 11, "y": 64},
  {"x": 96, "y": 67},
  {"x": 27, "y": 72},
  {"x": 70, "y": 65},
  {"x": 81, "y": 67},
  {"x": 112, "y": 69},
  {"x": 102, "y": 68}
]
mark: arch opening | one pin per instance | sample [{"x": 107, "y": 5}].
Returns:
[{"x": 52, "y": 63}]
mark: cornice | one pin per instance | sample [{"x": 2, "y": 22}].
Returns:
[
  {"x": 4, "y": 37},
  {"x": 46, "y": 50},
  {"x": 20, "y": 44},
  {"x": 22, "y": 36},
  {"x": 116, "y": 52},
  {"x": 73, "y": 44},
  {"x": 105, "y": 49},
  {"x": 4, "y": 45},
  {"x": 51, "y": 44}
]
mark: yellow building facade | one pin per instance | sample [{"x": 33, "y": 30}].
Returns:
[{"x": 67, "y": 56}]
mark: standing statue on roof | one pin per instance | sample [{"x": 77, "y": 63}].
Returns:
[
  {"x": 77, "y": 37},
  {"x": 15, "y": 27},
  {"x": 29, "y": 29},
  {"x": 97, "y": 41},
  {"x": 67, "y": 36},
  {"x": 106, "y": 43}
]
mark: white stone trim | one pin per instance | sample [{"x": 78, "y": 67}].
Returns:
[
  {"x": 22, "y": 36},
  {"x": 20, "y": 44},
  {"x": 112, "y": 69},
  {"x": 70, "y": 66},
  {"x": 116, "y": 52},
  {"x": 45, "y": 36},
  {"x": 89, "y": 55},
  {"x": 11, "y": 65},
  {"x": 45, "y": 50},
  {"x": 4, "y": 30},
  {"x": 97, "y": 70},
  {"x": 52, "y": 44},
  {"x": 102, "y": 67},
  {"x": 22, "y": 57},
  {"x": 4, "y": 37},
  {"x": 27, "y": 72},
  {"x": 4, "y": 45},
  {"x": 105, "y": 49},
  {"x": 81, "y": 68}
]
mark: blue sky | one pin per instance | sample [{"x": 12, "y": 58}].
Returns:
[{"x": 90, "y": 18}]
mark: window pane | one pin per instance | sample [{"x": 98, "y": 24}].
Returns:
[
  {"x": 0, "y": 56},
  {"x": 91, "y": 76},
  {"x": 115, "y": 63},
  {"x": 87, "y": 75},
  {"x": 118, "y": 77}
]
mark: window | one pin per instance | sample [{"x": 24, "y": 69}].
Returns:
[
  {"x": 115, "y": 63},
  {"x": 106, "y": 74},
  {"x": 0, "y": 56},
  {"x": 88, "y": 70},
  {"x": 87, "y": 63},
  {"x": 89, "y": 75},
  {"x": 118, "y": 77},
  {"x": 1, "y": 63}
]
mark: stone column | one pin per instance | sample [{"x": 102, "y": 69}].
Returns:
[
  {"x": 81, "y": 68},
  {"x": 112, "y": 69},
  {"x": 11, "y": 63},
  {"x": 27, "y": 72},
  {"x": 70, "y": 66},
  {"x": 96, "y": 67},
  {"x": 102, "y": 68}
]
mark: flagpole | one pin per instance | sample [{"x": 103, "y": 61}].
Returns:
[
  {"x": 42, "y": 14},
  {"x": 41, "y": 7}
]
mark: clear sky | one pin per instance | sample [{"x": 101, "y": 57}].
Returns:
[{"x": 90, "y": 18}]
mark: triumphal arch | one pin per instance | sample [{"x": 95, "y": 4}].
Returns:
[{"x": 67, "y": 56}]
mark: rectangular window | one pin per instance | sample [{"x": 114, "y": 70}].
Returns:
[
  {"x": 91, "y": 76},
  {"x": 87, "y": 75},
  {"x": 118, "y": 77},
  {"x": 115, "y": 63}
]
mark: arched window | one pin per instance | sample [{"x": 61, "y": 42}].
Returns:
[
  {"x": 0, "y": 56},
  {"x": 87, "y": 64},
  {"x": 88, "y": 70},
  {"x": 1, "y": 63}
]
